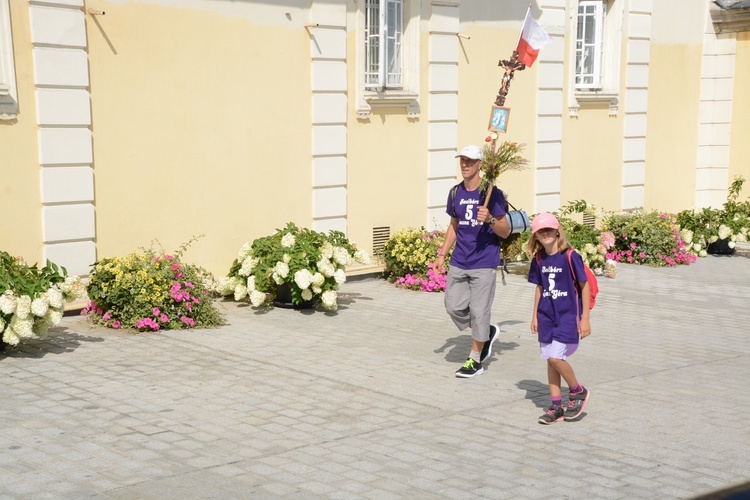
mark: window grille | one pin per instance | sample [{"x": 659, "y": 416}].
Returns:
[
  {"x": 589, "y": 44},
  {"x": 384, "y": 29}
]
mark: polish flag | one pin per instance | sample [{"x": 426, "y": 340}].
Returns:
[{"x": 533, "y": 39}]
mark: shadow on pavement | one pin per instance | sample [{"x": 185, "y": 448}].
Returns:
[{"x": 58, "y": 341}]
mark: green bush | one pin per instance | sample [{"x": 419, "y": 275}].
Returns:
[
  {"x": 149, "y": 290},
  {"x": 411, "y": 251},
  {"x": 32, "y": 299}
]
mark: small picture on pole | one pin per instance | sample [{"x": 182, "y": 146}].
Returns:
[{"x": 499, "y": 119}]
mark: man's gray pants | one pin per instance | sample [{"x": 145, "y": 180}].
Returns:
[{"x": 469, "y": 294}]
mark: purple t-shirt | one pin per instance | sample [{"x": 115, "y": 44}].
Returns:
[
  {"x": 559, "y": 304},
  {"x": 477, "y": 245}
]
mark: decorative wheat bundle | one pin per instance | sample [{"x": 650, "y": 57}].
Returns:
[{"x": 498, "y": 160}]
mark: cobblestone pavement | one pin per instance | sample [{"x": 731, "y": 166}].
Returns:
[{"x": 363, "y": 403}]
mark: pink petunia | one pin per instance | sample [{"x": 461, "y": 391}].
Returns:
[
  {"x": 115, "y": 324},
  {"x": 156, "y": 311},
  {"x": 164, "y": 318}
]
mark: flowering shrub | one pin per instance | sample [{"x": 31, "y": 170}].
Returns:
[
  {"x": 701, "y": 228},
  {"x": 408, "y": 256},
  {"x": 650, "y": 238},
  {"x": 150, "y": 291},
  {"x": 32, "y": 299},
  {"x": 312, "y": 263}
]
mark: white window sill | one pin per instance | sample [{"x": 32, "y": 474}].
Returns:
[
  {"x": 591, "y": 98},
  {"x": 391, "y": 98}
]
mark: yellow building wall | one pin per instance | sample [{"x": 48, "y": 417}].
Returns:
[
  {"x": 739, "y": 153},
  {"x": 201, "y": 125},
  {"x": 672, "y": 126},
  {"x": 20, "y": 197}
]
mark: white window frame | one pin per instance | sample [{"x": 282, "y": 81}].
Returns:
[
  {"x": 8, "y": 91},
  {"x": 384, "y": 68},
  {"x": 395, "y": 88},
  {"x": 605, "y": 89},
  {"x": 596, "y": 10}
]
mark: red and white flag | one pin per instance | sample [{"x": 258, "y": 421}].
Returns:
[{"x": 533, "y": 39}]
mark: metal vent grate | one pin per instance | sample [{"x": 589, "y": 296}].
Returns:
[
  {"x": 379, "y": 236},
  {"x": 589, "y": 220}
]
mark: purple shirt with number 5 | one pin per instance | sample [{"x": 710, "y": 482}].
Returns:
[
  {"x": 560, "y": 304},
  {"x": 477, "y": 245}
]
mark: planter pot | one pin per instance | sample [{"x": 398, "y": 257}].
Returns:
[
  {"x": 284, "y": 298},
  {"x": 720, "y": 247}
]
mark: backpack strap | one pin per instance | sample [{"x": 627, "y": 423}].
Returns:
[
  {"x": 576, "y": 286},
  {"x": 454, "y": 189}
]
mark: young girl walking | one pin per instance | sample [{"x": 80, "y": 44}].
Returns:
[{"x": 561, "y": 313}]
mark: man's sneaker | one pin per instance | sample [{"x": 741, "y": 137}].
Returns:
[
  {"x": 469, "y": 369},
  {"x": 554, "y": 414},
  {"x": 576, "y": 404},
  {"x": 487, "y": 347}
]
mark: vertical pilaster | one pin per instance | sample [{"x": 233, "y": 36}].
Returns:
[
  {"x": 61, "y": 77},
  {"x": 329, "y": 111},
  {"x": 549, "y": 106},
  {"x": 442, "y": 128},
  {"x": 638, "y": 24},
  {"x": 714, "y": 116}
]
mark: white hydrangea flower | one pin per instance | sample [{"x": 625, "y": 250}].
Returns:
[
  {"x": 288, "y": 240},
  {"x": 10, "y": 337},
  {"x": 277, "y": 279},
  {"x": 22, "y": 326},
  {"x": 339, "y": 276},
  {"x": 724, "y": 232},
  {"x": 225, "y": 285},
  {"x": 286, "y": 258},
  {"x": 39, "y": 307},
  {"x": 247, "y": 266},
  {"x": 307, "y": 294},
  {"x": 240, "y": 292},
  {"x": 326, "y": 251},
  {"x": 589, "y": 248},
  {"x": 326, "y": 268},
  {"x": 318, "y": 279},
  {"x": 251, "y": 284},
  {"x": 713, "y": 239},
  {"x": 686, "y": 235},
  {"x": 329, "y": 298},
  {"x": 341, "y": 256},
  {"x": 8, "y": 302},
  {"x": 73, "y": 287},
  {"x": 742, "y": 238},
  {"x": 257, "y": 298},
  {"x": 53, "y": 316},
  {"x": 316, "y": 289},
  {"x": 2, "y": 324},
  {"x": 244, "y": 251},
  {"x": 362, "y": 257},
  {"x": 732, "y": 244},
  {"x": 303, "y": 278},
  {"x": 23, "y": 308},
  {"x": 54, "y": 297},
  {"x": 702, "y": 253},
  {"x": 282, "y": 269}
]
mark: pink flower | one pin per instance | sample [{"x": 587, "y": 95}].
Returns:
[
  {"x": 175, "y": 267},
  {"x": 107, "y": 316},
  {"x": 115, "y": 324},
  {"x": 189, "y": 285},
  {"x": 633, "y": 245},
  {"x": 156, "y": 311},
  {"x": 164, "y": 318},
  {"x": 169, "y": 257}
]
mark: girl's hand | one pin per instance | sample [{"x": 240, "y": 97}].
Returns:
[
  {"x": 534, "y": 326},
  {"x": 584, "y": 328}
]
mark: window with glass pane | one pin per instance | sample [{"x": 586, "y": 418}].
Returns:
[
  {"x": 589, "y": 44},
  {"x": 383, "y": 44}
]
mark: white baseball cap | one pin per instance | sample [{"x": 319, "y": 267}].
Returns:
[{"x": 472, "y": 152}]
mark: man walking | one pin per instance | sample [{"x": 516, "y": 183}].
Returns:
[{"x": 476, "y": 231}]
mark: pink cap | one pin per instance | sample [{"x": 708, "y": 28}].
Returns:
[{"x": 544, "y": 220}]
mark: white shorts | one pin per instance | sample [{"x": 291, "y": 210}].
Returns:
[{"x": 556, "y": 350}]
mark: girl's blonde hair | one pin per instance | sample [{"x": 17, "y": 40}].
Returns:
[{"x": 533, "y": 245}]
